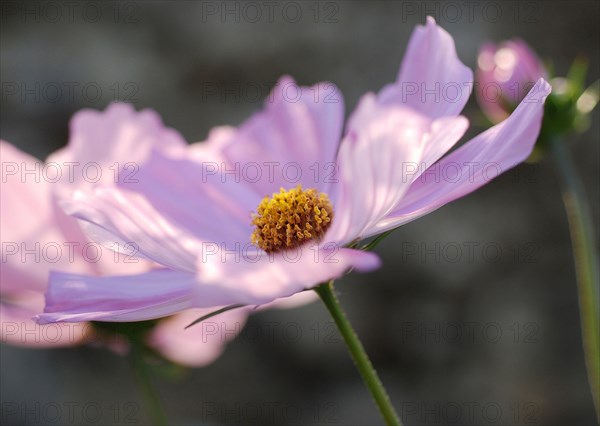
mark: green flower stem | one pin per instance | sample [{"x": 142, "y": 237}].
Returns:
[
  {"x": 142, "y": 373},
  {"x": 357, "y": 351},
  {"x": 586, "y": 263}
]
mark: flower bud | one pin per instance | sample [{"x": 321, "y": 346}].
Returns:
[{"x": 505, "y": 74}]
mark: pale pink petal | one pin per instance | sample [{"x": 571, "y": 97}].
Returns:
[
  {"x": 36, "y": 235},
  {"x": 159, "y": 293},
  {"x": 212, "y": 149},
  {"x": 474, "y": 164},
  {"x": 192, "y": 194},
  {"x": 200, "y": 344},
  {"x": 49, "y": 239},
  {"x": 293, "y": 140},
  {"x": 383, "y": 144},
  {"x": 294, "y": 301},
  {"x": 443, "y": 135},
  {"x": 258, "y": 278},
  {"x": 18, "y": 328},
  {"x": 114, "y": 143},
  {"x": 126, "y": 223},
  {"x": 155, "y": 294},
  {"x": 432, "y": 79}
]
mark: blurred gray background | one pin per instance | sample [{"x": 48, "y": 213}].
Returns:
[{"x": 518, "y": 358}]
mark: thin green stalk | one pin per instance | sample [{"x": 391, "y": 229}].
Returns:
[
  {"x": 586, "y": 263},
  {"x": 151, "y": 398},
  {"x": 357, "y": 351}
]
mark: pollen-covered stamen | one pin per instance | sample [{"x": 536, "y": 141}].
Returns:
[{"x": 291, "y": 218}]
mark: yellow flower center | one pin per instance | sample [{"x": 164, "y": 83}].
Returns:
[{"x": 290, "y": 218}]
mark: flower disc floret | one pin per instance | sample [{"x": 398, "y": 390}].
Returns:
[{"x": 290, "y": 218}]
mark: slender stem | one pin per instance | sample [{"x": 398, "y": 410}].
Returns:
[
  {"x": 151, "y": 398},
  {"x": 357, "y": 351},
  {"x": 586, "y": 263}
]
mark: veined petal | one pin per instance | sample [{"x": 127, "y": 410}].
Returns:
[
  {"x": 113, "y": 142},
  {"x": 155, "y": 294},
  {"x": 474, "y": 164},
  {"x": 432, "y": 80},
  {"x": 126, "y": 223},
  {"x": 196, "y": 197},
  {"x": 258, "y": 278},
  {"x": 293, "y": 139},
  {"x": 444, "y": 133},
  {"x": 384, "y": 144},
  {"x": 160, "y": 293}
]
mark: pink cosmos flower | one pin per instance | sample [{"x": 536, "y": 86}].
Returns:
[
  {"x": 232, "y": 224},
  {"x": 37, "y": 236},
  {"x": 505, "y": 74}
]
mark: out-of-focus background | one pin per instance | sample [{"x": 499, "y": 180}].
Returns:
[{"x": 473, "y": 318}]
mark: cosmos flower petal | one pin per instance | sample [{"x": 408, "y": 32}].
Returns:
[
  {"x": 196, "y": 197},
  {"x": 259, "y": 278},
  {"x": 300, "y": 127},
  {"x": 445, "y": 132},
  {"x": 200, "y": 344},
  {"x": 19, "y": 329},
  {"x": 30, "y": 223},
  {"x": 155, "y": 294},
  {"x": 126, "y": 223},
  {"x": 110, "y": 139},
  {"x": 114, "y": 142},
  {"x": 298, "y": 299},
  {"x": 383, "y": 143},
  {"x": 432, "y": 79},
  {"x": 474, "y": 164},
  {"x": 160, "y": 293}
]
